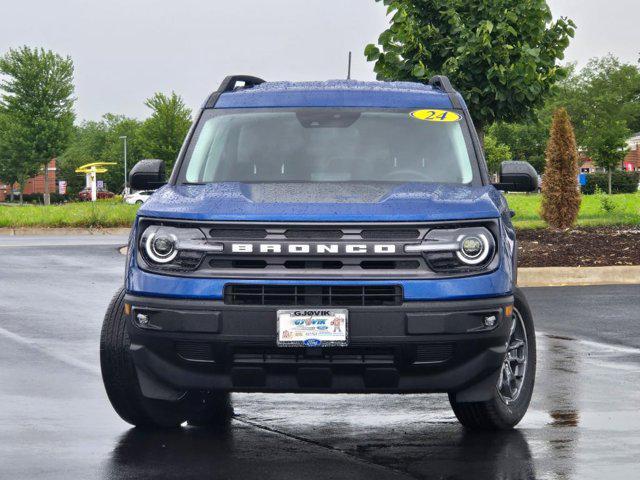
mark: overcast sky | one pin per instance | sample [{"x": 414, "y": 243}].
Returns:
[{"x": 124, "y": 51}]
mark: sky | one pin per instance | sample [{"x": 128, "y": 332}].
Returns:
[{"x": 124, "y": 51}]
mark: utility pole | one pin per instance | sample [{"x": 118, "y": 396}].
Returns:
[
  {"x": 126, "y": 184},
  {"x": 349, "y": 67}
]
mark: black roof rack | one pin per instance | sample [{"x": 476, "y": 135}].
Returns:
[
  {"x": 441, "y": 82},
  {"x": 229, "y": 85}
]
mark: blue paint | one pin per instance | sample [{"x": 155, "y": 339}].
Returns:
[
  {"x": 323, "y": 202},
  {"x": 336, "y": 93},
  {"x": 496, "y": 283}
]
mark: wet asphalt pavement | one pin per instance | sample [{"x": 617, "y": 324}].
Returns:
[{"x": 56, "y": 423}]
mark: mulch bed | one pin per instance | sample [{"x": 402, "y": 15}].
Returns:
[{"x": 579, "y": 247}]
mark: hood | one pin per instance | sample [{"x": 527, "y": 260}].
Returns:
[{"x": 323, "y": 202}]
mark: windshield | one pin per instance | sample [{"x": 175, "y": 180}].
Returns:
[{"x": 326, "y": 145}]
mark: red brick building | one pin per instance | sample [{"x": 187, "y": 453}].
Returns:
[
  {"x": 33, "y": 184},
  {"x": 631, "y": 162}
]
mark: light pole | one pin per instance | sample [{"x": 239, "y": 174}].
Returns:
[{"x": 126, "y": 185}]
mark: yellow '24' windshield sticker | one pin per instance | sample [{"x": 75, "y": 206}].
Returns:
[{"x": 431, "y": 115}]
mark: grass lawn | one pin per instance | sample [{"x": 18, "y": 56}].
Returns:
[
  {"x": 626, "y": 210},
  {"x": 113, "y": 213},
  {"x": 103, "y": 213}
]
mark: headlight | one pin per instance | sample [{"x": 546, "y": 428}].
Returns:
[
  {"x": 175, "y": 248},
  {"x": 474, "y": 248},
  {"x": 459, "y": 249},
  {"x": 161, "y": 247}
]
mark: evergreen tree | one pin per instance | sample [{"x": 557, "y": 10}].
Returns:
[{"x": 560, "y": 194}]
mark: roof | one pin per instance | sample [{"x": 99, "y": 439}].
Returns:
[{"x": 336, "y": 93}]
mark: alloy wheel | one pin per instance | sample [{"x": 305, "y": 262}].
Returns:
[{"x": 514, "y": 366}]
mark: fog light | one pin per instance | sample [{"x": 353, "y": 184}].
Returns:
[
  {"x": 142, "y": 319},
  {"x": 490, "y": 321}
]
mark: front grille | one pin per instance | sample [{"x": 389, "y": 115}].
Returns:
[
  {"x": 313, "y": 264},
  {"x": 309, "y": 251},
  {"x": 312, "y": 234},
  {"x": 390, "y": 265},
  {"x": 321, "y": 295},
  {"x": 238, "y": 233},
  {"x": 342, "y": 356},
  {"x": 388, "y": 234}
]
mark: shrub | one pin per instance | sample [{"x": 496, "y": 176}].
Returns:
[
  {"x": 606, "y": 204},
  {"x": 560, "y": 192},
  {"x": 621, "y": 182},
  {"x": 37, "y": 198}
]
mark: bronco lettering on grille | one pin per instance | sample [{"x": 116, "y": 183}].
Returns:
[{"x": 319, "y": 248}]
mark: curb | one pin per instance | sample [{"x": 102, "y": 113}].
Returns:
[
  {"x": 62, "y": 231},
  {"x": 578, "y": 276}
]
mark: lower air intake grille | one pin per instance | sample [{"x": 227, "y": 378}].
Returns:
[
  {"x": 195, "y": 351},
  {"x": 322, "y": 295},
  {"x": 433, "y": 352},
  {"x": 328, "y": 356}
]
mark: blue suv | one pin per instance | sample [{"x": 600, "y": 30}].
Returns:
[{"x": 335, "y": 236}]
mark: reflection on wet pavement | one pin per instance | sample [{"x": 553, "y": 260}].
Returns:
[
  {"x": 56, "y": 423},
  {"x": 576, "y": 428}
]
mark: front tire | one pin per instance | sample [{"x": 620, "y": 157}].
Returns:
[
  {"x": 123, "y": 389},
  {"x": 512, "y": 394},
  {"x": 120, "y": 378}
]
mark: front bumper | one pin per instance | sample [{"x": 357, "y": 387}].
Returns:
[{"x": 439, "y": 346}]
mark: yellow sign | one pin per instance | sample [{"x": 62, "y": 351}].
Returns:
[
  {"x": 95, "y": 167},
  {"x": 431, "y": 115}
]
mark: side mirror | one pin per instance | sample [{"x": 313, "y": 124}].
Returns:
[
  {"x": 517, "y": 177},
  {"x": 147, "y": 175}
]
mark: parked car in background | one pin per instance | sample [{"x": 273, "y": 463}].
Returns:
[
  {"x": 85, "y": 194},
  {"x": 139, "y": 197}
]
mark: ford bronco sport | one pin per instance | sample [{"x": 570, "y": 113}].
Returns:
[{"x": 336, "y": 236}]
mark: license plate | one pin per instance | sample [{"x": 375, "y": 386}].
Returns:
[{"x": 313, "y": 327}]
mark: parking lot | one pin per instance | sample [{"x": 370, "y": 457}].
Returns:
[{"x": 56, "y": 422}]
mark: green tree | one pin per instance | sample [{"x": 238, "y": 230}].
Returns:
[
  {"x": 495, "y": 153},
  {"x": 606, "y": 143},
  {"x": 500, "y": 55},
  {"x": 163, "y": 133},
  {"x": 118, "y": 126},
  {"x": 100, "y": 142},
  {"x": 604, "y": 98},
  {"x": 606, "y": 88},
  {"x": 37, "y": 99},
  {"x": 9, "y": 166},
  {"x": 527, "y": 141}
]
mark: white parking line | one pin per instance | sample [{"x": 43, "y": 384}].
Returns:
[
  {"x": 43, "y": 245},
  {"x": 63, "y": 357},
  {"x": 593, "y": 344},
  {"x": 13, "y": 242}
]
